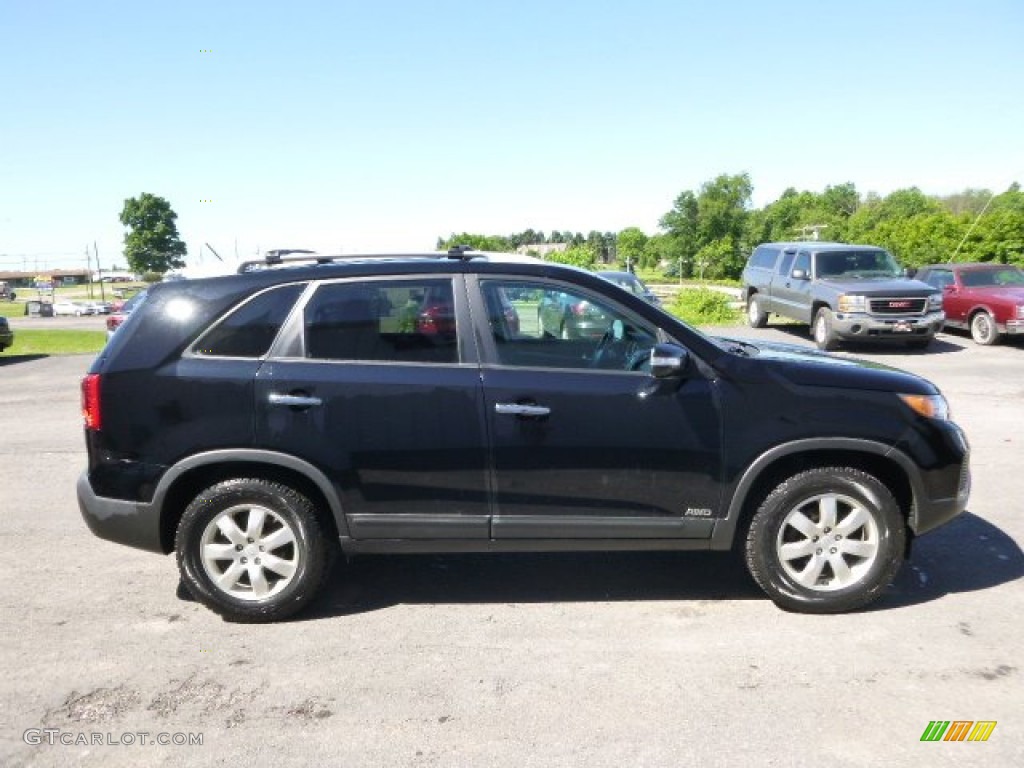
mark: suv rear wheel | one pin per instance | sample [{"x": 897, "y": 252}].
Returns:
[
  {"x": 252, "y": 550},
  {"x": 826, "y": 540},
  {"x": 756, "y": 317}
]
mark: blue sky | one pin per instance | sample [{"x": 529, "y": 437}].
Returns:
[{"x": 381, "y": 125}]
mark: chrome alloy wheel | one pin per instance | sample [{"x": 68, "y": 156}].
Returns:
[
  {"x": 827, "y": 542},
  {"x": 249, "y": 552}
]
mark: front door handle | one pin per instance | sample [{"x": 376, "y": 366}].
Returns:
[
  {"x": 295, "y": 401},
  {"x": 519, "y": 409}
]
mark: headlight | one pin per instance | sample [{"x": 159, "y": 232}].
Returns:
[
  {"x": 935, "y": 301},
  {"x": 929, "y": 406},
  {"x": 848, "y": 303}
]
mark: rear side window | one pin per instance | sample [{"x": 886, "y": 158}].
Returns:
[
  {"x": 250, "y": 330},
  {"x": 402, "y": 321},
  {"x": 764, "y": 258}
]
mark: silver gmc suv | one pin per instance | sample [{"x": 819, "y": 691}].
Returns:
[{"x": 844, "y": 292}]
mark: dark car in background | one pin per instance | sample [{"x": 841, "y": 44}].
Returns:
[
  {"x": 6, "y": 334},
  {"x": 986, "y": 299},
  {"x": 631, "y": 283},
  {"x": 567, "y": 316}
]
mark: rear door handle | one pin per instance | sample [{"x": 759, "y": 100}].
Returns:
[
  {"x": 518, "y": 409},
  {"x": 295, "y": 401}
]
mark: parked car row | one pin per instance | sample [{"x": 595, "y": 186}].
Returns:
[
  {"x": 80, "y": 308},
  {"x": 850, "y": 293}
]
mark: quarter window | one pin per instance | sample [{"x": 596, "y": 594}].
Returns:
[
  {"x": 403, "y": 321},
  {"x": 250, "y": 330},
  {"x": 764, "y": 258}
]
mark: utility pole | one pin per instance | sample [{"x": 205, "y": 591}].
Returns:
[
  {"x": 814, "y": 230},
  {"x": 88, "y": 269},
  {"x": 99, "y": 272}
]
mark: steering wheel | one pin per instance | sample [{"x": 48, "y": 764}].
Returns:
[{"x": 611, "y": 346}]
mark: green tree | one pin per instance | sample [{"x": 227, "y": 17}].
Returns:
[
  {"x": 708, "y": 229},
  {"x": 681, "y": 224},
  {"x": 584, "y": 255},
  {"x": 151, "y": 243},
  {"x": 476, "y": 242},
  {"x": 629, "y": 247}
]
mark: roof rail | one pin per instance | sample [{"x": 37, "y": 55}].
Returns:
[{"x": 280, "y": 256}]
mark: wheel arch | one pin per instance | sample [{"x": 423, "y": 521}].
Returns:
[
  {"x": 187, "y": 478},
  {"x": 891, "y": 467},
  {"x": 977, "y": 309}
]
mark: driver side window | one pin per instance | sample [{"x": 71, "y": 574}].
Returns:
[{"x": 542, "y": 325}]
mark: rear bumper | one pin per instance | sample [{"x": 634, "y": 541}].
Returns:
[{"x": 133, "y": 523}]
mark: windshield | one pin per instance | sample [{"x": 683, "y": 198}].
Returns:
[
  {"x": 857, "y": 264},
  {"x": 629, "y": 282},
  {"x": 977, "y": 278}
]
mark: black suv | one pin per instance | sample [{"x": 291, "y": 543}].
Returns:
[{"x": 260, "y": 423}]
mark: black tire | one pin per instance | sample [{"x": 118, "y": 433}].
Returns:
[
  {"x": 814, "y": 582},
  {"x": 821, "y": 329},
  {"x": 288, "y": 531},
  {"x": 756, "y": 316},
  {"x": 984, "y": 330}
]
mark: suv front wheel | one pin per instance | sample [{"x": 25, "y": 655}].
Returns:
[
  {"x": 826, "y": 540},
  {"x": 252, "y": 550},
  {"x": 824, "y": 336}
]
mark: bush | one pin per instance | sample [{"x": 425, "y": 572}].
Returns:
[
  {"x": 703, "y": 306},
  {"x": 152, "y": 277}
]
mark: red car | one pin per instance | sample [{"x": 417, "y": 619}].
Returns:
[
  {"x": 120, "y": 314},
  {"x": 987, "y": 299}
]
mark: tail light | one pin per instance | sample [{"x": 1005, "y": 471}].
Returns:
[{"x": 91, "y": 402}]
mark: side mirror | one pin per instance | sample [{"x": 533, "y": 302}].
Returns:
[
  {"x": 668, "y": 360},
  {"x": 799, "y": 274},
  {"x": 909, "y": 271},
  {"x": 949, "y": 288}
]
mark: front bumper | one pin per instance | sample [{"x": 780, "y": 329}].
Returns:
[
  {"x": 133, "y": 523},
  {"x": 857, "y": 325},
  {"x": 1013, "y": 327},
  {"x": 932, "y": 511}
]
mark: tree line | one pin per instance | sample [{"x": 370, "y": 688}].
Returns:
[{"x": 709, "y": 232}]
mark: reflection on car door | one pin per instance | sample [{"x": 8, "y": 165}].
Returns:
[{"x": 581, "y": 449}]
